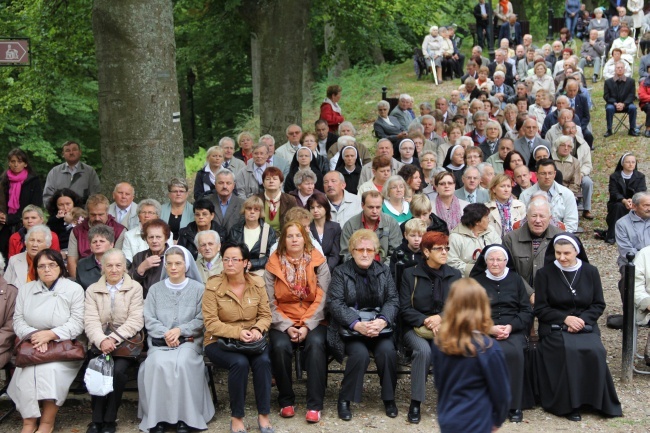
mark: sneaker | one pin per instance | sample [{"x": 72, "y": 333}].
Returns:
[
  {"x": 287, "y": 412},
  {"x": 313, "y": 416}
]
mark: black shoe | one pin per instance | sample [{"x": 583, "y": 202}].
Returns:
[
  {"x": 516, "y": 415},
  {"x": 94, "y": 427},
  {"x": 646, "y": 133},
  {"x": 574, "y": 416},
  {"x": 610, "y": 241},
  {"x": 109, "y": 427},
  {"x": 159, "y": 428},
  {"x": 414, "y": 414},
  {"x": 343, "y": 408},
  {"x": 609, "y": 133},
  {"x": 181, "y": 427},
  {"x": 594, "y": 78},
  {"x": 633, "y": 133},
  {"x": 391, "y": 408}
]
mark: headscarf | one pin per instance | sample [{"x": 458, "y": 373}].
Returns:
[
  {"x": 15, "y": 187},
  {"x": 295, "y": 271},
  {"x": 480, "y": 266},
  {"x": 619, "y": 166},
  {"x": 191, "y": 270},
  {"x": 340, "y": 163},
  {"x": 447, "y": 162},
  {"x": 550, "y": 250}
]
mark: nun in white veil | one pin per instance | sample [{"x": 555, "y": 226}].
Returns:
[{"x": 172, "y": 382}]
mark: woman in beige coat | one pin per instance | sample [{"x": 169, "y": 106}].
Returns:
[
  {"x": 468, "y": 239},
  {"x": 8, "y": 295},
  {"x": 505, "y": 209},
  {"x": 115, "y": 299}
]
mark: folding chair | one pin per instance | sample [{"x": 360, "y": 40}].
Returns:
[{"x": 620, "y": 119}]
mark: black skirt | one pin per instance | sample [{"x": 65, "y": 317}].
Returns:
[{"x": 514, "y": 349}]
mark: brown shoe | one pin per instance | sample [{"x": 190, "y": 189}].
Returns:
[{"x": 587, "y": 215}]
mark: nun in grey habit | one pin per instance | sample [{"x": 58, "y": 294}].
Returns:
[{"x": 172, "y": 382}]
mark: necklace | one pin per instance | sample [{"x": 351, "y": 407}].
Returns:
[{"x": 572, "y": 281}]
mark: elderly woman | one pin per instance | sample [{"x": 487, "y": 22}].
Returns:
[
  {"x": 174, "y": 323},
  {"x": 148, "y": 209},
  {"x": 381, "y": 171},
  {"x": 60, "y": 204},
  {"x": 21, "y": 267},
  {"x": 205, "y": 177},
  {"x": 624, "y": 183},
  {"x": 505, "y": 209},
  {"x": 303, "y": 160},
  {"x": 394, "y": 203},
  {"x": 227, "y": 315},
  {"x": 245, "y": 141},
  {"x": 388, "y": 126},
  {"x": 567, "y": 164},
  {"x": 297, "y": 278},
  {"x": 19, "y": 187},
  {"x": 610, "y": 66},
  {"x": 251, "y": 233},
  {"x": 450, "y": 66},
  {"x": 626, "y": 44},
  {"x": 32, "y": 216},
  {"x": 305, "y": 181},
  {"x": 509, "y": 119},
  {"x": 146, "y": 267},
  {"x": 363, "y": 304},
  {"x": 330, "y": 111},
  {"x": 326, "y": 232},
  {"x": 275, "y": 202},
  {"x": 598, "y": 23},
  {"x": 50, "y": 308},
  {"x": 178, "y": 212},
  {"x": 349, "y": 165},
  {"x": 8, "y": 293},
  {"x": 571, "y": 359},
  {"x": 445, "y": 204},
  {"x": 474, "y": 156},
  {"x": 89, "y": 269},
  {"x": 455, "y": 162},
  {"x": 432, "y": 48},
  {"x": 468, "y": 239},
  {"x": 118, "y": 301},
  {"x": 421, "y": 310},
  {"x": 540, "y": 80},
  {"x": 511, "y": 313},
  {"x": 542, "y": 107},
  {"x": 209, "y": 261}
]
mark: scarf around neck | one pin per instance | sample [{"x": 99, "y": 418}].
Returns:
[
  {"x": 335, "y": 106},
  {"x": 295, "y": 270},
  {"x": 273, "y": 205},
  {"x": 451, "y": 216},
  {"x": 15, "y": 187}
]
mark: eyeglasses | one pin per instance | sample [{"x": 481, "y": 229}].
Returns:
[
  {"x": 148, "y": 212},
  {"x": 47, "y": 266},
  {"x": 441, "y": 249},
  {"x": 232, "y": 260},
  {"x": 178, "y": 191},
  {"x": 495, "y": 260},
  {"x": 365, "y": 250}
]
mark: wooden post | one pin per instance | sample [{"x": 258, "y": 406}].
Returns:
[{"x": 627, "y": 359}]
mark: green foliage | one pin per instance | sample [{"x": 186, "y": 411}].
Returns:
[
  {"x": 54, "y": 99},
  {"x": 195, "y": 162}
]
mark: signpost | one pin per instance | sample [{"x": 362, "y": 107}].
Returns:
[{"x": 14, "y": 52}]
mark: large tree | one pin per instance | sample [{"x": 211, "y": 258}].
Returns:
[{"x": 141, "y": 138}]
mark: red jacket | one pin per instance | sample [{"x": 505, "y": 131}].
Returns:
[
  {"x": 333, "y": 118},
  {"x": 17, "y": 242},
  {"x": 644, "y": 94}
]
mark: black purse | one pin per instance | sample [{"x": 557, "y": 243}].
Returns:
[
  {"x": 161, "y": 342},
  {"x": 252, "y": 348},
  {"x": 365, "y": 315}
]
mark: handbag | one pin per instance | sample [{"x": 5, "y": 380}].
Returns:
[
  {"x": 252, "y": 348},
  {"x": 365, "y": 315},
  {"x": 421, "y": 331},
  {"x": 127, "y": 348},
  {"x": 263, "y": 247},
  {"x": 57, "y": 351}
]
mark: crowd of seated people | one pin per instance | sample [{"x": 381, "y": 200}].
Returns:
[{"x": 297, "y": 244}]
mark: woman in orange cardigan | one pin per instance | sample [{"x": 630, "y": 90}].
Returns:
[
  {"x": 297, "y": 277},
  {"x": 330, "y": 109}
]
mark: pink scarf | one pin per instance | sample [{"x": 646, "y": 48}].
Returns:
[
  {"x": 451, "y": 216},
  {"x": 15, "y": 185}
]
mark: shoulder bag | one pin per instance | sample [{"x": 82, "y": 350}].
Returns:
[
  {"x": 252, "y": 348},
  {"x": 263, "y": 247},
  {"x": 57, "y": 351},
  {"x": 128, "y": 348},
  {"x": 421, "y": 331}
]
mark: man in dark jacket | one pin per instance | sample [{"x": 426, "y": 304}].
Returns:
[
  {"x": 482, "y": 13},
  {"x": 511, "y": 31},
  {"x": 203, "y": 220},
  {"x": 619, "y": 96}
]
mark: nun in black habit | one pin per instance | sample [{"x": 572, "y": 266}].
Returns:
[
  {"x": 623, "y": 184},
  {"x": 571, "y": 359},
  {"x": 511, "y": 313},
  {"x": 454, "y": 163}
]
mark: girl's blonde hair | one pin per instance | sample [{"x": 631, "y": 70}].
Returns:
[{"x": 466, "y": 320}]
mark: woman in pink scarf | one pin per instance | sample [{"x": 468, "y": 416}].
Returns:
[{"x": 19, "y": 187}]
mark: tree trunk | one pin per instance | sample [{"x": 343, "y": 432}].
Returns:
[
  {"x": 140, "y": 130},
  {"x": 280, "y": 27},
  {"x": 256, "y": 68},
  {"x": 340, "y": 60},
  {"x": 520, "y": 9}
]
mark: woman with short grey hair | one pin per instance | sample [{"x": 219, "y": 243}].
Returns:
[
  {"x": 205, "y": 178},
  {"x": 387, "y": 126},
  {"x": 177, "y": 212},
  {"x": 20, "y": 269},
  {"x": 305, "y": 181},
  {"x": 395, "y": 205},
  {"x": 148, "y": 209}
]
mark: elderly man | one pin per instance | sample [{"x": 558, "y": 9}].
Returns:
[
  {"x": 511, "y": 31},
  {"x": 471, "y": 191},
  {"x": 79, "y": 245},
  {"x": 73, "y": 174},
  {"x": 528, "y": 244},
  {"x": 522, "y": 179},
  {"x": 443, "y": 106},
  {"x": 433, "y": 140},
  {"x": 521, "y": 91},
  {"x": 500, "y": 58},
  {"x": 501, "y": 90},
  {"x": 274, "y": 160},
  {"x": 227, "y": 205},
  {"x": 591, "y": 52},
  {"x": 480, "y": 119},
  {"x": 343, "y": 204},
  {"x": 613, "y": 32},
  {"x": 288, "y": 149},
  {"x": 563, "y": 202},
  {"x": 122, "y": 208},
  {"x": 402, "y": 112},
  {"x": 526, "y": 64},
  {"x": 148, "y": 209},
  {"x": 580, "y": 105},
  {"x": 565, "y": 115},
  {"x": 325, "y": 138},
  {"x": 492, "y": 135},
  {"x": 551, "y": 118},
  {"x": 371, "y": 217},
  {"x": 454, "y": 99},
  {"x": 249, "y": 180},
  {"x": 209, "y": 261},
  {"x": 384, "y": 148},
  {"x": 530, "y": 140},
  {"x": 619, "y": 95},
  {"x": 556, "y": 54},
  {"x": 486, "y": 171},
  {"x": 229, "y": 161}
]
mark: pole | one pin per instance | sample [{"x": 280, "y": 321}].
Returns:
[
  {"x": 627, "y": 359},
  {"x": 549, "y": 36},
  {"x": 383, "y": 93}
]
